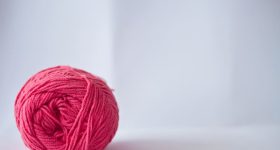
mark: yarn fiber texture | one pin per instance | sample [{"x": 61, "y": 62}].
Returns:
[{"x": 65, "y": 108}]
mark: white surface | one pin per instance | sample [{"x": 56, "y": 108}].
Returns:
[
  {"x": 229, "y": 138},
  {"x": 191, "y": 74}
]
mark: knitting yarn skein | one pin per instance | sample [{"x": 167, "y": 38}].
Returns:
[{"x": 64, "y": 108}]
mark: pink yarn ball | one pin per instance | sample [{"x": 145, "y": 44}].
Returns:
[{"x": 64, "y": 108}]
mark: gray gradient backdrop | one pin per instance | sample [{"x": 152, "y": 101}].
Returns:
[{"x": 174, "y": 64}]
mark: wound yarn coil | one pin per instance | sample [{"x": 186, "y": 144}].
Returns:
[{"x": 65, "y": 108}]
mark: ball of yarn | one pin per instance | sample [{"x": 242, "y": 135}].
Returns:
[{"x": 64, "y": 108}]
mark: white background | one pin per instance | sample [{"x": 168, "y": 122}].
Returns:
[{"x": 187, "y": 74}]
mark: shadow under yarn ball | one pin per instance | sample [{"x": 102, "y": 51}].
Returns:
[{"x": 64, "y": 108}]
